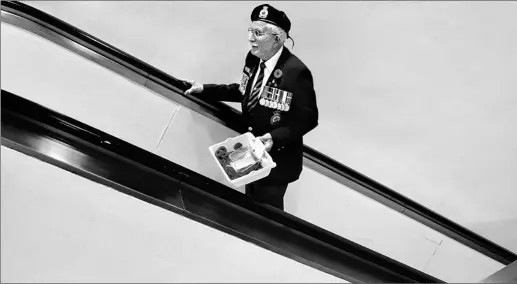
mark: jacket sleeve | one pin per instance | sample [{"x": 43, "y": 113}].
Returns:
[
  {"x": 220, "y": 92},
  {"x": 305, "y": 109}
]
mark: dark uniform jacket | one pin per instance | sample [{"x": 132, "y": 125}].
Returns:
[{"x": 296, "y": 111}]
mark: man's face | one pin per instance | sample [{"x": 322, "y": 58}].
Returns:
[{"x": 261, "y": 39}]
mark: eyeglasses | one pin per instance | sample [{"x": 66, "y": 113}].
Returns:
[{"x": 257, "y": 33}]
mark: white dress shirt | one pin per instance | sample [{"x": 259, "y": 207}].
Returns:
[{"x": 270, "y": 66}]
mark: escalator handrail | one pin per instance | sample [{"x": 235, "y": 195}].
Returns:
[
  {"x": 230, "y": 116},
  {"x": 171, "y": 186}
]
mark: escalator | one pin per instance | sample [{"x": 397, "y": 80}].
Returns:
[
  {"x": 196, "y": 196},
  {"x": 71, "y": 145}
]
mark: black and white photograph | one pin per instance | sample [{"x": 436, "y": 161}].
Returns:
[{"x": 258, "y": 142}]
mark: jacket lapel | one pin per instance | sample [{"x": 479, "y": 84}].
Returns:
[
  {"x": 248, "y": 88},
  {"x": 279, "y": 66},
  {"x": 250, "y": 84}
]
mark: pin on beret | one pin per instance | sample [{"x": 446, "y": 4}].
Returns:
[{"x": 269, "y": 14}]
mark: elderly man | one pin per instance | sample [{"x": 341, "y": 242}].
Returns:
[{"x": 278, "y": 101}]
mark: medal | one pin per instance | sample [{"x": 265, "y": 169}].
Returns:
[{"x": 288, "y": 100}]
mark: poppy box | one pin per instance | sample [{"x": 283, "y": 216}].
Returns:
[{"x": 242, "y": 159}]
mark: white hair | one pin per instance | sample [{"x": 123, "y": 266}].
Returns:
[{"x": 279, "y": 31}]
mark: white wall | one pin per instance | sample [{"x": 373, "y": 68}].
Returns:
[
  {"x": 421, "y": 92},
  {"x": 183, "y": 136},
  {"x": 60, "y": 227}
]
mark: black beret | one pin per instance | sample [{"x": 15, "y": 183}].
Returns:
[{"x": 269, "y": 14}]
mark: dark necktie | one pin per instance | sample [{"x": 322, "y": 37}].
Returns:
[{"x": 254, "y": 97}]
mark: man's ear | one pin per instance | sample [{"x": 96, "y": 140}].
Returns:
[{"x": 277, "y": 39}]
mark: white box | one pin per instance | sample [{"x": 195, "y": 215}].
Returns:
[{"x": 250, "y": 140}]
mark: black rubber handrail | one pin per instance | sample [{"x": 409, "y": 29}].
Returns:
[
  {"x": 33, "y": 129},
  {"x": 231, "y": 117}
]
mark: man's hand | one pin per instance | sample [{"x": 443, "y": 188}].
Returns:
[
  {"x": 196, "y": 87},
  {"x": 267, "y": 140}
]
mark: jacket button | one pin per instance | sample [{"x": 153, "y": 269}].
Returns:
[{"x": 250, "y": 128}]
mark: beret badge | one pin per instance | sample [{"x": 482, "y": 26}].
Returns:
[
  {"x": 278, "y": 73},
  {"x": 263, "y": 13}
]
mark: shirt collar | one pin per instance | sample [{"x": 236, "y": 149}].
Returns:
[{"x": 271, "y": 63}]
